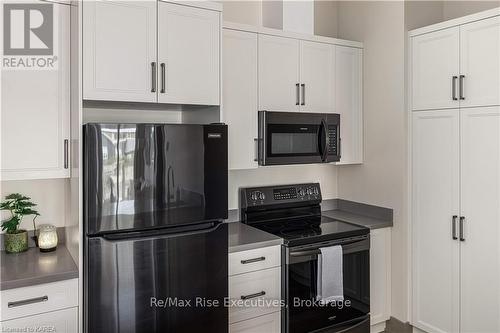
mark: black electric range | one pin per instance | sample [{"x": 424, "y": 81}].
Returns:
[{"x": 293, "y": 212}]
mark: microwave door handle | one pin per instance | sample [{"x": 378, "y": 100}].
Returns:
[{"x": 323, "y": 140}]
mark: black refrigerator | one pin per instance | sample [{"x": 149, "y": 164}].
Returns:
[{"x": 155, "y": 247}]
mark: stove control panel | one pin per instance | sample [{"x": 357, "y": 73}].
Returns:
[{"x": 261, "y": 196}]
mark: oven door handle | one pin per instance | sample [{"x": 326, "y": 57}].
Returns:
[
  {"x": 322, "y": 140},
  {"x": 348, "y": 247}
]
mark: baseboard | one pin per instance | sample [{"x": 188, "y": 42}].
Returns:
[{"x": 377, "y": 328}]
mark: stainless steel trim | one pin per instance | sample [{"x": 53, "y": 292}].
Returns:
[
  {"x": 462, "y": 87},
  {"x": 454, "y": 227},
  {"x": 462, "y": 221},
  {"x": 297, "y": 93},
  {"x": 260, "y": 293},
  {"x": 256, "y": 154},
  {"x": 303, "y": 94},
  {"x": 66, "y": 153},
  {"x": 162, "y": 65},
  {"x": 153, "y": 77},
  {"x": 250, "y": 261},
  {"x": 28, "y": 301},
  {"x": 454, "y": 87}
]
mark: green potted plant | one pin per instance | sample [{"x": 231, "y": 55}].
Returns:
[{"x": 16, "y": 240}]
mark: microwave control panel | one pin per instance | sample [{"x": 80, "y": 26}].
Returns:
[{"x": 332, "y": 139}]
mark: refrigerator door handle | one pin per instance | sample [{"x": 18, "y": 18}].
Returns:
[{"x": 160, "y": 233}]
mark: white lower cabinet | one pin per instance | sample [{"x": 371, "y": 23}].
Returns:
[
  {"x": 49, "y": 307},
  {"x": 255, "y": 289},
  {"x": 380, "y": 277},
  {"x": 264, "y": 324},
  {"x": 64, "y": 321}
]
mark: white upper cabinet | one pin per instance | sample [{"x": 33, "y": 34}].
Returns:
[
  {"x": 435, "y": 70},
  {"x": 119, "y": 50},
  {"x": 317, "y": 65},
  {"x": 36, "y": 112},
  {"x": 349, "y": 102},
  {"x": 188, "y": 55},
  {"x": 480, "y": 197},
  {"x": 435, "y": 199},
  {"x": 480, "y": 62},
  {"x": 279, "y": 86},
  {"x": 240, "y": 96}
]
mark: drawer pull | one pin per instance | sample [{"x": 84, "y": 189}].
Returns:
[
  {"x": 28, "y": 301},
  {"x": 249, "y": 261},
  {"x": 262, "y": 293}
]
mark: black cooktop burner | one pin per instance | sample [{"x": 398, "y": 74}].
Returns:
[{"x": 306, "y": 230}]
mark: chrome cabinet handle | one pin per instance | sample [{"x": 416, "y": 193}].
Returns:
[
  {"x": 462, "y": 87},
  {"x": 303, "y": 94},
  {"x": 249, "y": 261},
  {"x": 162, "y": 65},
  {"x": 262, "y": 293},
  {"x": 462, "y": 221},
  {"x": 454, "y": 227},
  {"x": 297, "y": 94},
  {"x": 66, "y": 153},
  {"x": 256, "y": 151},
  {"x": 153, "y": 77},
  {"x": 28, "y": 301},
  {"x": 454, "y": 88}
]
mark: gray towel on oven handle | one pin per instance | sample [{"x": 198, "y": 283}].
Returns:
[{"x": 330, "y": 284}]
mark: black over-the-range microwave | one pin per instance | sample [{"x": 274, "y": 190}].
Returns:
[{"x": 298, "y": 138}]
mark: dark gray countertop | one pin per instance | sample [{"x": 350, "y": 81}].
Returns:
[
  {"x": 365, "y": 221},
  {"x": 243, "y": 237},
  {"x": 34, "y": 267}
]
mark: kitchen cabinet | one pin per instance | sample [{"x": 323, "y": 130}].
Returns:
[
  {"x": 240, "y": 97},
  {"x": 317, "y": 77},
  {"x": 457, "y": 66},
  {"x": 349, "y": 102},
  {"x": 380, "y": 276},
  {"x": 188, "y": 55},
  {"x": 20, "y": 308},
  {"x": 435, "y": 69},
  {"x": 148, "y": 51},
  {"x": 119, "y": 50},
  {"x": 279, "y": 86},
  {"x": 435, "y": 200},
  {"x": 480, "y": 62},
  {"x": 35, "y": 115},
  {"x": 255, "y": 274}
]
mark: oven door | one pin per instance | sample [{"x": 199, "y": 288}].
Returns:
[
  {"x": 292, "y": 138},
  {"x": 302, "y": 314}
]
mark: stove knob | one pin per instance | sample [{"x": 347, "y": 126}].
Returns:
[
  {"x": 301, "y": 192},
  {"x": 309, "y": 191},
  {"x": 261, "y": 196},
  {"x": 316, "y": 191},
  {"x": 253, "y": 196}
]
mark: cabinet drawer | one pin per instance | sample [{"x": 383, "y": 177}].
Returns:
[
  {"x": 257, "y": 293},
  {"x": 270, "y": 323},
  {"x": 57, "y": 321},
  {"x": 254, "y": 260},
  {"x": 27, "y": 301}
]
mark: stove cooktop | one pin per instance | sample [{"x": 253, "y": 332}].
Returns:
[{"x": 307, "y": 230}]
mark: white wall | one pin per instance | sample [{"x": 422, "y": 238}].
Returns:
[
  {"x": 381, "y": 180},
  {"x": 247, "y": 12},
  {"x": 325, "y": 174},
  {"x": 326, "y": 18},
  {"x": 454, "y": 9}
]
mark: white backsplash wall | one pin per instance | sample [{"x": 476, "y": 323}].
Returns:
[
  {"x": 325, "y": 174},
  {"x": 50, "y": 195}
]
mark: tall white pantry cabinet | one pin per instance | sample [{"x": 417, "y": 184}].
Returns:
[{"x": 455, "y": 174}]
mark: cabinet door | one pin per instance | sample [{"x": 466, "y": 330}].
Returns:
[
  {"x": 480, "y": 197},
  {"x": 270, "y": 323},
  {"x": 435, "y": 199},
  {"x": 317, "y": 77},
  {"x": 57, "y": 321},
  {"x": 380, "y": 275},
  {"x": 480, "y": 62},
  {"x": 119, "y": 50},
  {"x": 35, "y": 114},
  {"x": 349, "y": 102},
  {"x": 188, "y": 54},
  {"x": 278, "y": 73},
  {"x": 435, "y": 60},
  {"x": 240, "y": 96}
]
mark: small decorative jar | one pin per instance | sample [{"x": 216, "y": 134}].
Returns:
[{"x": 47, "y": 238}]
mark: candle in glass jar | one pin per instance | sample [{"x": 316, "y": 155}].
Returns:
[{"x": 47, "y": 238}]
